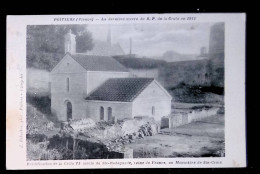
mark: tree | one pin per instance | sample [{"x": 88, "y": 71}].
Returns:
[
  {"x": 45, "y": 43},
  {"x": 84, "y": 42}
]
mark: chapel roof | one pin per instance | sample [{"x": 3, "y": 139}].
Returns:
[
  {"x": 98, "y": 63},
  {"x": 120, "y": 89}
]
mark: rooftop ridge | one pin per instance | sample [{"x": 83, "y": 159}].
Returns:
[{"x": 102, "y": 63}]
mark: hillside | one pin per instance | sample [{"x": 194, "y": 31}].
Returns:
[
  {"x": 188, "y": 72},
  {"x": 205, "y": 72},
  {"x": 200, "y": 81},
  {"x": 193, "y": 81},
  {"x": 36, "y": 120}
]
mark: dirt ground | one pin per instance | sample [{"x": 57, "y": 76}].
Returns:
[{"x": 198, "y": 139}]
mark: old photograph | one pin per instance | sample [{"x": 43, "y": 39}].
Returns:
[{"x": 132, "y": 90}]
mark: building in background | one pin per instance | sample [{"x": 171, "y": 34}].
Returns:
[
  {"x": 216, "y": 54},
  {"x": 217, "y": 41}
]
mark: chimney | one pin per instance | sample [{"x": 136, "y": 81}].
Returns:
[{"x": 70, "y": 43}]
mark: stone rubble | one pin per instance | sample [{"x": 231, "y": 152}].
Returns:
[
  {"x": 114, "y": 136},
  {"x": 148, "y": 129}
]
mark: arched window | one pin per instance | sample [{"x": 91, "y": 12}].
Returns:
[
  {"x": 109, "y": 113},
  {"x": 101, "y": 113},
  {"x": 69, "y": 111},
  {"x": 153, "y": 110},
  {"x": 68, "y": 84}
]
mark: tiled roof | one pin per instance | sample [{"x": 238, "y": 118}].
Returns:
[
  {"x": 120, "y": 89},
  {"x": 98, "y": 63}
]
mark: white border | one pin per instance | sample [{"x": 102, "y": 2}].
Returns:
[{"x": 234, "y": 93}]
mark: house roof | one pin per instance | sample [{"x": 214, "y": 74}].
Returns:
[
  {"x": 98, "y": 63},
  {"x": 120, "y": 89}
]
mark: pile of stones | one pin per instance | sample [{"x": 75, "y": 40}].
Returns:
[{"x": 145, "y": 130}]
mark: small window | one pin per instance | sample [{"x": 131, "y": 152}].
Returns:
[
  {"x": 68, "y": 84},
  {"x": 101, "y": 113},
  {"x": 153, "y": 110}
]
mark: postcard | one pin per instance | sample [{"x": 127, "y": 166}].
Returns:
[{"x": 126, "y": 91}]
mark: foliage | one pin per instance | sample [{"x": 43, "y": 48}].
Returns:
[
  {"x": 39, "y": 151},
  {"x": 36, "y": 121},
  {"x": 197, "y": 94},
  {"x": 72, "y": 148},
  {"x": 45, "y": 43},
  {"x": 38, "y": 114},
  {"x": 41, "y": 103},
  {"x": 84, "y": 42}
]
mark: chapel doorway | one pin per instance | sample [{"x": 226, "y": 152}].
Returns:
[{"x": 69, "y": 111}]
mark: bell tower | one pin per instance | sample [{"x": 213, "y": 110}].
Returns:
[{"x": 70, "y": 43}]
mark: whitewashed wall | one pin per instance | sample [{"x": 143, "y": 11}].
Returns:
[
  {"x": 68, "y": 68},
  {"x": 120, "y": 110},
  {"x": 152, "y": 96}
]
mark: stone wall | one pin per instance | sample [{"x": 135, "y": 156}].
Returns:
[
  {"x": 148, "y": 73},
  {"x": 182, "y": 118}
]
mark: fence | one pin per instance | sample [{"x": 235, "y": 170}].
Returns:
[{"x": 182, "y": 118}]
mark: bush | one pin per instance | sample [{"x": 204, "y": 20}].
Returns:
[
  {"x": 39, "y": 151},
  {"x": 36, "y": 138},
  {"x": 201, "y": 107},
  {"x": 197, "y": 94}
]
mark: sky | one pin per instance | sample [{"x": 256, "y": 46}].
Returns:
[{"x": 153, "y": 40}]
